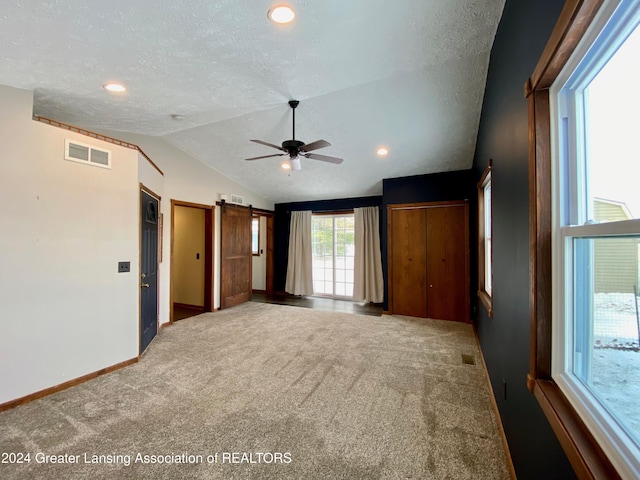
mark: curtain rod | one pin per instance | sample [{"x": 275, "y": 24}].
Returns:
[{"x": 336, "y": 211}]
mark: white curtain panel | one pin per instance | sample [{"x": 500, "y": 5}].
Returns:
[
  {"x": 368, "y": 282},
  {"x": 299, "y": 269}
]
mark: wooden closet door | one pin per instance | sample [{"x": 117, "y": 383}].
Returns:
[
  {"x": 407, "y": 252},
  {"x": 447, "y": 263}
]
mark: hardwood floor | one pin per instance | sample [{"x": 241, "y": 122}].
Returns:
[
  {"x": 320, "y": 303},
  {"x": 181, "y": 312}
]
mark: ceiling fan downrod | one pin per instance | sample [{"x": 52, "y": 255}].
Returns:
[{"x": 293, "y": 104}]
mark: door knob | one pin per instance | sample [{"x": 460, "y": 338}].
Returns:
[{"x": 144, "y": 285}]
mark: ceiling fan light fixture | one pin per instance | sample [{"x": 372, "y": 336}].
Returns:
[
  {"x": 281, "y": 14},
  {"x": 295, "y": 163},
  {"x": 114, "y": 87},
  {"x": 285, "y": 165}
]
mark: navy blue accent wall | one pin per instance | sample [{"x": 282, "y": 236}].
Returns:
[
  {"x": 436, "y": 187},
  {"x": 282, "y": 219},
  {"x": 503, "y": 136}
]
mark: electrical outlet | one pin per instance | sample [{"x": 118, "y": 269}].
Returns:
[{"x": 124, "y": 267}]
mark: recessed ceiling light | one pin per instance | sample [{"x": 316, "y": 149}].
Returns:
[
  {"x": 382, "y": 152},
  {"x": 285, "y": 166},
  {"x": 114, "y": 87},
  {"x": 281, "y": 14}
]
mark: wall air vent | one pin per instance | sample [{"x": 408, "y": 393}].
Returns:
[
  {"x": 232, "y": 198},
  {"x": 87, "y": 154}
]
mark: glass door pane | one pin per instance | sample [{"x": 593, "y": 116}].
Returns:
[{"x": 333, "y": 254}]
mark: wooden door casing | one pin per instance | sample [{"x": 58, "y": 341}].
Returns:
[
  {"x": 270, "y": 261},
  {"x": 235, "y": 255}
]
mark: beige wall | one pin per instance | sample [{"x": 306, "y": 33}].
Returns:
[
  {"x": 188, "y": 242},
  {"x": 189, "y": 180},
  {"x": 65, "y": 311}
]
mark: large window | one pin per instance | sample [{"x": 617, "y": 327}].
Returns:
[
  {"x": 585, "y": 364},
  {"x": 485, "y": 275},
  {"x": 596, "y": 232},
  {"x": 333, "y": 254}
]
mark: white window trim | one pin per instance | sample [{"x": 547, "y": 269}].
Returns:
[
  {"x": 488, "y": 221},
  {"x": 485, "y": 254},
  {"x": 615, "y": 442}
]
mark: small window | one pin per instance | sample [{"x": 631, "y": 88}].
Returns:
[
  {"x": 485, "y": 276},
  {"x": 87, "y": 154},
  {"x": 255, "y": 235}
]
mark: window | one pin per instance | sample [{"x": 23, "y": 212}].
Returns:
[
  {"x": 83, "y": 153},
  {"x": 485, "y": 277},
  {"x": 585, "y": 356},
  {"x": 596, "y": 361},
  {"x": 333, "y": 254},
  {"x": 255, "y": 235}
]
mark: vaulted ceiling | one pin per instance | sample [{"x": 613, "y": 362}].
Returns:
[{"x": 405, "y": 74}]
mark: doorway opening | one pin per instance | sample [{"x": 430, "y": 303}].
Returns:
[
  {"x": 191, "y": 259},
  {"x": 262, "y": 251}
]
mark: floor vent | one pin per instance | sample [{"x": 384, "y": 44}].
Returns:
[
  {"x": 87, "y": 154},
  {"x": 468, "y": 359}
]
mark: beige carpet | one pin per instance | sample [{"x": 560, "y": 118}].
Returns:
[{"x": 277, "y": 392}]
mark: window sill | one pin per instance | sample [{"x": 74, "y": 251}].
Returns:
[
  {"x": 585, "y": 455},
  {"x": 487, "y": 301}
]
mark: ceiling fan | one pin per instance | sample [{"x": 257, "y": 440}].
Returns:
[{"x": 296, "y": 149}]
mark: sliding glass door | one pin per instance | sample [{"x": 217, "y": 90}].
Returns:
[{"x": 333, "y": 250}]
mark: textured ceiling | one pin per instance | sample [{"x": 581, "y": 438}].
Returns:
[{"x": 407, "y": 74}]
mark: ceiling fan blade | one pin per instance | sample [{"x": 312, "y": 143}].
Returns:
[
  {"x": 324, "y": 158},
  {"x": 266, "y": 156},
  {"x": 269, "y": 144},
  {"x": 315, "y": 145}
]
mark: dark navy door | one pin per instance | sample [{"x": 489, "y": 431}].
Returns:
[{"x": 148, "y": 270}]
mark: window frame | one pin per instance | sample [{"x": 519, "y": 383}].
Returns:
[
  {"x": 573, "y": 220},
  {"x": 254, "y": 218},
  {"x": 485, "y": 294},
  {"x": 334, "y": 215},
  {"x": 585, "y": 454}
]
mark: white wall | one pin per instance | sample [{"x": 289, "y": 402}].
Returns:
[
  {"x": 65, "y": 311},
  {"x": 189, "y": 180}
]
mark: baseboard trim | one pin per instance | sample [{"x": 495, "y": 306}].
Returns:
[
  {"x": 494, "y": 404},
  {"x": 63, "y": 386}
]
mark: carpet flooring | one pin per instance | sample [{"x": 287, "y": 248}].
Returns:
[{"x": 273, "y": 392}]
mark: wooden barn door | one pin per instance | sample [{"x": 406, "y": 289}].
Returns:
[
  {"x": 429, "y": 260},
  {"x": 235, "y": 255}
]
